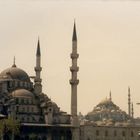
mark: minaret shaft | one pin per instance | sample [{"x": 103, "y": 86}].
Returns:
[
  {"x": 129, "y": 103},
  {"x": 38, "y": 68},
  {"x": 132, "y": 111},
  {"x": 74, "y": 81},
  {"x": 74, "y": 101}
]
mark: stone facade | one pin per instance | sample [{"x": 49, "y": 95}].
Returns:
[{"x": 91, "y": 132}]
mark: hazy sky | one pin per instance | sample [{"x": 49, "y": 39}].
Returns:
[{"x": 108, "y": 45}]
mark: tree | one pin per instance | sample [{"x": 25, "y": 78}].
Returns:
[
  {"x": 1, "y": 129},
  {"x": 12, "y": 126},
  {"x": 9, "y": 126}
]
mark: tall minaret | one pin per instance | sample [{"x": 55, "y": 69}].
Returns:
[
  {"x": 132, "y": 109},
  {"x": 74, "y": 69},
  {"x": 129, "y": 102},
  {"x": 38, "y": 86},
  {"x": 74, "y": 82}
]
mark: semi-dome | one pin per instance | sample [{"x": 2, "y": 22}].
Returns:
[
  {"x": 22, "y": 93},
  {"x": 15, "y": 73},
  {"x": 107, "y": 110}
]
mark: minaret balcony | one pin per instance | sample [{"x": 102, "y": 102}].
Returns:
[
  {"x": 38, "y": 68},
  {"x": 74, "y": 82},
  {"x": 73, "y": 68},
  {"x": 73, "y": 55},
  {"x": 38, "y": 80}
]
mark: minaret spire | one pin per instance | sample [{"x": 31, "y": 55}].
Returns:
[
  {"x": 129, "y": 102},
  {"x": 74, "y": 82},
  {"x": 74, "y": 37},
  {"x": 14, "y": 62},
  {"x": 38, "y": 86},
  {"x": 38, "y": 49}
]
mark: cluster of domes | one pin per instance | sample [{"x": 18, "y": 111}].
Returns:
[{"x": 106, "y": 112}]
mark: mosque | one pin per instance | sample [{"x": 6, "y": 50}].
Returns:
[{"x": 39, "y": 116}]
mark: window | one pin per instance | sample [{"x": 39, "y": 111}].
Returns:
[
  {"x": 22, "y": 101},
  {"x": 115, "y": 133},
  {"x": 106, "y": 133},
  {"x": 28, "y": 109},
  {"x": 32, "y": 109},
  {"x": 132, "y": 134},
  {"x": 22, "y": 119},
  {"x": 123, "y": 133},
  {"x": 16, "y": 100},
  {"x": 23, "y": 109},
  {"x": 97, "y": 132}
]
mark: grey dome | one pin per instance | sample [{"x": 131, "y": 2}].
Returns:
[
  {"x": 22, "y": 93},
  {"x": 14, "y": 73},
  {"x": 107, "y": 110}
]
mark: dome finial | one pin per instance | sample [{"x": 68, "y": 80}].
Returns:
[{"x": 14, "y": 61}]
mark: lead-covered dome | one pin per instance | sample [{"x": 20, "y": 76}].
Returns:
[
  {"x": 22, "y": 93},
  {"x": 107, "y": 110},
  {"x": 15, "y": 73}
]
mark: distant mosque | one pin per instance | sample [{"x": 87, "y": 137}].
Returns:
[{"x": 24, "y": 101}]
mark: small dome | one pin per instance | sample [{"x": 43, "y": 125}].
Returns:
[
  {"x": 14, "y": 73},
  {"x": 22, "y": 93}
]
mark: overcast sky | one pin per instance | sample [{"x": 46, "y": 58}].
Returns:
[{"x": 108, "y": 46}]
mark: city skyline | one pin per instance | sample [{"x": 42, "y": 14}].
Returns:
[{"x": 108, "y": 47}]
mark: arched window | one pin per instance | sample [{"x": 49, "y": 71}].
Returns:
[
  {"x": 132, "y": 134},
  {"x": 97, "y": 132},
  {"x": 106, "y": 133},
  {"x": 115, "y": 133},
  {"x": 17, "y": 101},
  {"x": 123, "y": 133}
]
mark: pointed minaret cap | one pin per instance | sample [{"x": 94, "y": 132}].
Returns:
[
  {"x": 38, "y": 48},
  {"x": 74, "y": 37},
  {"x": 14, "y": 60}
]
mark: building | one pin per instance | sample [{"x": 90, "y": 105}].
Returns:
[
  {"x": 108, "y": 122},
  {"x": 24, "y": 101},
  {"x": 41, "y": 118}
]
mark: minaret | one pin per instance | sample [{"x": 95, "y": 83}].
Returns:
[
  {"x": 38, "y": 86},
  {"x": 129, "y": 102},
  {"x": 74, "y": 82},
  {"x": 110, "y": 97},
  {"x": 132, "y": 111},
  {"x": 74, "y": 69},
  {"x": 14, "y": 62}
]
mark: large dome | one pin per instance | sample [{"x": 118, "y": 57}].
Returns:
[
  {"x": 107, "y": 110},
  {"x": 14, "y": 73}
]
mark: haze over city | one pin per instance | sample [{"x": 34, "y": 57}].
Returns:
[{"x": 108, "y": 45}]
